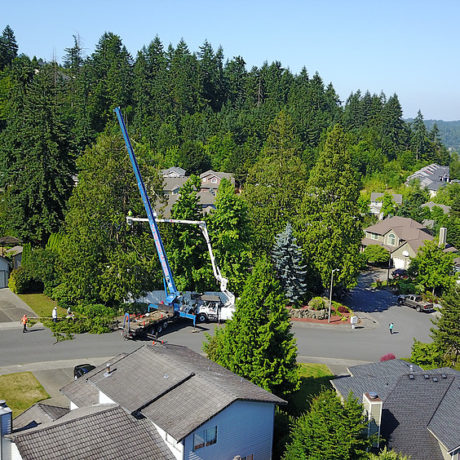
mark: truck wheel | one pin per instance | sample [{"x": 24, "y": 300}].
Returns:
[
  {"x": 419, "y": 309},
  {"x": 202, "y": 318},
  {"x": 165, "y": 325}
]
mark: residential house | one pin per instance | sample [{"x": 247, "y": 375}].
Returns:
[
  {"x": 158, "y": 402},
  {"x": 16, "y": 254},
  {"x": 429, "y": 223},
  {"x": 210, "y": 180},
  {"x": 376, "y": 203},
  {"x": 4, "y": 272},
  {"x": 402, "y": 237},
  {"x": 174, "y": 171},
  {"x": 431, "y": 177},
  {"x": 416, "y": 412}
]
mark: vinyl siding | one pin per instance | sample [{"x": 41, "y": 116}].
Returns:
[{"x": 243, "y": 428}]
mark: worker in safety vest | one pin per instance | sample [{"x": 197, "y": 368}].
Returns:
[{"x": 24, "y": 323}]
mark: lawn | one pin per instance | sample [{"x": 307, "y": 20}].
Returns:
[
  {"x": 41, "y": 305},
  {"x": 314, "y": 378},
  {"x": 20, "y": 391}
]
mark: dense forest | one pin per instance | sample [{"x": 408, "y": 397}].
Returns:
[{"x": 297, "y": 152}]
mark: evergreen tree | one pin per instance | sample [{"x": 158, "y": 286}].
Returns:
[
  {"x": 257, "y": 343},
  {"x": 229, "y": 232},
  {"x": 101, "y": 259},
  {"x": 329, "y": 430},
  {"x": 419, "y": 138},
  {"x": 185, "y": 245},
  {"x": 446, "y": 335},
  {"x": 287, "y": 260},
  {"x": 39, "y": 162},
  {"x": 8, "y": 47},
  {"x": 330, "y": 222}
]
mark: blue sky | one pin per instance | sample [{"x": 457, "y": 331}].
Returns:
[{"x": 407, "y": 47}]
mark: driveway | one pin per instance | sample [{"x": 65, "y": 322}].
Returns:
[{"x": 12, "y": 309}]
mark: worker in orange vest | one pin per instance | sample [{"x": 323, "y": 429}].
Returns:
[{"x": 24, "y": 322}]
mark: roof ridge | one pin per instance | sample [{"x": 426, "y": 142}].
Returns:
[{"x": 441, "y": 399}]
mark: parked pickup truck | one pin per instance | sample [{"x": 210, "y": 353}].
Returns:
[{"x": 415, "y": 301}]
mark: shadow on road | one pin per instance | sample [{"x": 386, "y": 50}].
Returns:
[{"x": 363, "y": 298}]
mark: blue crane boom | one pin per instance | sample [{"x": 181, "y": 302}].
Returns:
[{"x": 172, "y": 292}]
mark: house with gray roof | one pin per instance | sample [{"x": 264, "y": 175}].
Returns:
[
  {"x": 174, "y": 171},
  {"x": 158, "y": 402},
  {"x": 402, "y": 237},
  {"x": 416, "y": 412},
  {"x": 377, "y": 203},
  {"x": 431, "y": 177}
]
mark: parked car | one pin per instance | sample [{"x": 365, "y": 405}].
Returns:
[
  {"x": 415, "y": 301},
  {"x": 82, "y": 369},
  {"x": 399, "y": 274}
]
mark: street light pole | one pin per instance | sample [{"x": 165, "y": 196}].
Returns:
[{"x": 330, "y": 294}]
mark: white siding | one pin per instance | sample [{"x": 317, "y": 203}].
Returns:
[
  {"x": 176, "y": 448},
  {"x": 243, "y": 428},
  {"x": 104, "y": 399}
]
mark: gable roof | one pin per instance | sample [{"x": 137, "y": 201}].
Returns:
[
  {"x": 432, "y": 177},
  {"x": 413, "y": 409},
  {"x": 38, "y": 414},
  {"x": 172, "y": 183},
  {"x": 397, "y": 197},
  {"x": 103, "y": 431},
  {"x": 174, "y": 171},
  {"x": 432, "y": 204},
  {"x": 408, "y": 230},
  {"x": 176, "y": 388}
]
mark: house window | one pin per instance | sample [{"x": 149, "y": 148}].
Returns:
[
  {"x": 214, "y": 180},
  {"x": 374, "y": 236},
  {"x": 248, "y": 457},
  {"x": 204, "y": 438},
  {"x": 392, "y": 239}
]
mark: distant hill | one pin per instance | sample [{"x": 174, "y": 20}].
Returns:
[{"x": 448, "y": 130}]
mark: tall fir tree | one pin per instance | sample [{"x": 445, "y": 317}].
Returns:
[
  {"x": 40, "y": 161},
  {"x": 230, "y": 235},
  {"x": 257, "y": 343},
  {"x": 330, "y": 222},
  {"x": 446, "y": 334},
  {"x": 8, "y": 47},
  {"x": 287, "y": 260},
  {"x": 331, "y": 429}
]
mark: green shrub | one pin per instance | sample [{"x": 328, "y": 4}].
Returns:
[
  {"x": 317, "y": 303},
  {"x": 21, "y": 281},
  {"x": 60, "y": 295},
  {"x": 426, "y": 355},
  {"x": 376, "y": 254}
]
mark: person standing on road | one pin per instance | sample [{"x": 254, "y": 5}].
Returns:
[
  {"x": 24, "y": 320},
  {"x": 390, "y": 327},
  {"x": 54, "y": 314}
]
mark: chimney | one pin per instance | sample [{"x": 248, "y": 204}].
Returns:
[
  {"x": 373, "y": 410},
  {"x": 442, "y": 237}
]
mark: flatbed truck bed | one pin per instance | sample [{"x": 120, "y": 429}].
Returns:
[{"x": 144, "y": 325}]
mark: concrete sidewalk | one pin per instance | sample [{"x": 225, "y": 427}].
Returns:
[{"x": 12, "y": 309}]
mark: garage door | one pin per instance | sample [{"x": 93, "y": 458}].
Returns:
[{"x": 3, "y": 279}]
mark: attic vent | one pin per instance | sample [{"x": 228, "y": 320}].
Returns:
[
  {"x": 411, "y": 376},
  {"x": 435, "y": 379},
  {"x": 373, "y": 395},
  {"x": 426, "y": 376},
  {"x": 444, "y": 376},
  {"x": 107, "y": 372}
]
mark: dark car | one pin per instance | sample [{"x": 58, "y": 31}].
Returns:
[
  {"x": 400, "y": 273},
  {"x": 82, "y": 369}
]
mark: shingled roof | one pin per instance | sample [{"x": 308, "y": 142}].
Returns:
[
  {"x": 38, "y": 414},
  {"x": 171, "y": 385},
  {"x": 102, "y": 432},
  {"x": 416, "y": 410}
]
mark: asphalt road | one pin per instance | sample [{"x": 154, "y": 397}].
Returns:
[{"x": 366, "y": 343}]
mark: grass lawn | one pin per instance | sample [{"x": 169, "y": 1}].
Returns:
[
  {"x": 41, "y": 304},
  {"x": 314, "y": 378},
  {"x": 20, "y": 391}
]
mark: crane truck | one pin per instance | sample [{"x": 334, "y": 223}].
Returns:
[{"x": 174, "y": 305}]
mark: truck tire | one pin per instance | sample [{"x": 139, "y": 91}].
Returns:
[
  {"x": 418, "y": 309},
  {"x": 202, "y": 318}
]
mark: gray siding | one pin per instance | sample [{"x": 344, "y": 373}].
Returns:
[{"x": 243, "y": 428}]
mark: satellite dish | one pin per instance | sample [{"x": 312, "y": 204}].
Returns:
[{"x": 405, "y": 254}]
